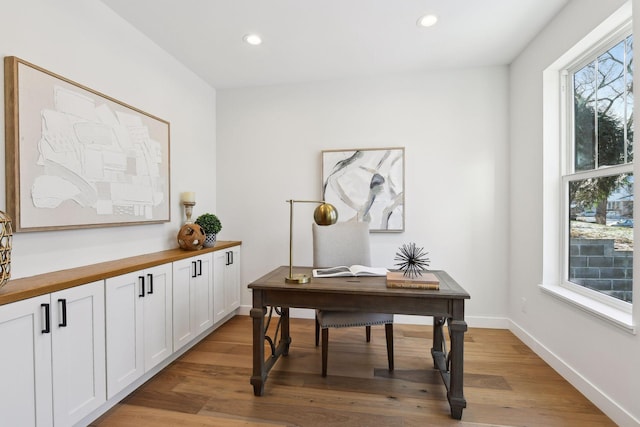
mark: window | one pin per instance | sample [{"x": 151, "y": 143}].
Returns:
[
  {"x": 597, "y": 176},
  {"x": 588, "y": 181}
]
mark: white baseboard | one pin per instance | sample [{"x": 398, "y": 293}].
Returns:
[{"x": 614, "y": 411}]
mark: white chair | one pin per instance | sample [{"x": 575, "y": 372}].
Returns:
[{"x": 346, "y": 243}]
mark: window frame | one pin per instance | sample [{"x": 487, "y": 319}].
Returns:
[
  {"x": 556, "y": 119},
  {"x": 568, "y": 172}
]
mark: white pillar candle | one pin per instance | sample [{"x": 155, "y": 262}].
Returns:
[{"x": 189, "y": 197}]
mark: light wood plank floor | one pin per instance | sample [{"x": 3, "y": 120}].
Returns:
[{"x": 506, "y": 384}]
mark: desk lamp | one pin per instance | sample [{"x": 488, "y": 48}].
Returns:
[{"x": 325, "y": 214}]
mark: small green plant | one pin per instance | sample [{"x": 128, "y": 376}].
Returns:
[{"x": 209, "y": 223}]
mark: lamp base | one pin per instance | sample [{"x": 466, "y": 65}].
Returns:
[{"x": 298, "y": 278}]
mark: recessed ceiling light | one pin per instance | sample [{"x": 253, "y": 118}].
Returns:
[
  {"x": 427, "y": 21},
  {"x": 252, "y": 39}
]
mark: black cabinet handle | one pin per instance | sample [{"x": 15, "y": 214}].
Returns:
[
  {"x": 141, "y": 280},
  {"x": 199, "y": 267},
  {"x": 150, "y": 276},
  {"x": 231, "y": 253},
  {"x": 47, "y": 322},
  {"x": 193, "y": 270},
  {"x": 63, "y": 303},
  {"x": 227, "y": 254}
]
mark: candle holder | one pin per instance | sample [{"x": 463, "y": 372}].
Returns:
[{"x": 188, "y": 211}]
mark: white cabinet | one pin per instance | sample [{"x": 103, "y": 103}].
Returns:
[
  {"x": 192, "y": 298},
  {"x": 226, "y": 282},
  {"x": 53, "y": 363},
  {"x": 65, "y": 355},
  {"x": 26, "y": 397},
  {"x": 139, "y": 324},
  {"x": 78, "y": 352}
]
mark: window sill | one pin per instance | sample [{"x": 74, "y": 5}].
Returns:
[{"x": 612, "y": 315}]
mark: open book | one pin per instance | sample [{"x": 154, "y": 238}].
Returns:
[{"x": 354, "y": 270}]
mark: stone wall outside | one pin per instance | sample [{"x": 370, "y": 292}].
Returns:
[{"x": 595, "y": 264}]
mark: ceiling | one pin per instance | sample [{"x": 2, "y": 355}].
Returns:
[{"x": 311, "y": 40}]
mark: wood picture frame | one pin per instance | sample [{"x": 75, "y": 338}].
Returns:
[
  {"x": 76, "y": 158},
  {"x": 366, "y": 184}
]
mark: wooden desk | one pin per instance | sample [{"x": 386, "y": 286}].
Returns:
[{"x": 369, "y": 294}]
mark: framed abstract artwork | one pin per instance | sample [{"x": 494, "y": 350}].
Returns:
[
  {"x": 76, "y": 158},
  {"x": 366, "y": 185}
]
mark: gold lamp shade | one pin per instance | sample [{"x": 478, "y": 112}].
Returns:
[{"x": 325, "y": 214}]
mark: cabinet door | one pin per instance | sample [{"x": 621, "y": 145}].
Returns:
[
  {"x": 219, "y": 302},
  {"x": 183, "y": 323},
  {"x": 203, "y": 293},
  {"x": 25, "y": 388},
  {"x": 125, "y": 359},
  {"x": 78, "y": 346},
  {"x": 226, "y": 273},
  {"x": 157, "y": 314},
  {"x": 232, "y": 280},
  {"x": 192, "y": 298}
]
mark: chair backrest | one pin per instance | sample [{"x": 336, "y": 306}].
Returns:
[{"x": 344, "y": 243}]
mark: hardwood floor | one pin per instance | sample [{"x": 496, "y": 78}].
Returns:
[{"x": 506, "y": 384}]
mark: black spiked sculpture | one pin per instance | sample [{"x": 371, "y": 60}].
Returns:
[{"x": 413, "y": 261}]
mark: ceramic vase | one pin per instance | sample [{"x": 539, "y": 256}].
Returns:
[{"x": 210, "y": 240}]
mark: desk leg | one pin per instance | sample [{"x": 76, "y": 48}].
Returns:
[
  {"x": 286, "y": 336},
  {"x": 455, "y": 394},
  {"x": 259, "y": 372},
  {"x": 451, "y": 365},
  {"x": 438, "y": 349}
]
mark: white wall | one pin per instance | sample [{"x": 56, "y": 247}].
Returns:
[
  {"x": 453, "y": 125},
  {"x": 464, "y": 203},
  {"x": 599, "y": 359},
  {"x": 86, "y": 42}
]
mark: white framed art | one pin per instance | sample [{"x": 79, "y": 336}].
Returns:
[
  {"x": 76, "y": 158},
  {"x": 366, "y": 185}
]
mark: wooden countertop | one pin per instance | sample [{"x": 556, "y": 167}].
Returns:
[{"x": 27, "y": 287}]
